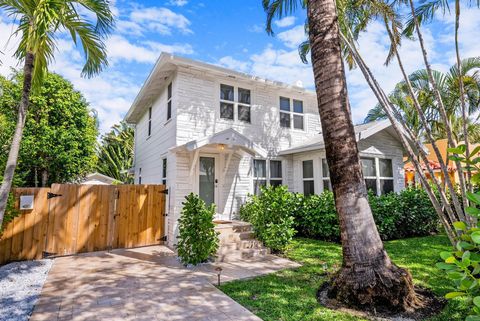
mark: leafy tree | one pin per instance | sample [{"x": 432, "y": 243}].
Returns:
[
  {"x": 59, "y": 138},
  {"x": 367, "y": 277},
  {"x": 449, "y": 89},
  {"x": 115, "y": 153},
  {"x": 40, "y": 22}
]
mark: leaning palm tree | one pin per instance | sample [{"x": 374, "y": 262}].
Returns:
[
  {"x": 448, "y": 84},
  {"x": 40, "y": 23},
  {"x": 368, "y": 277}
]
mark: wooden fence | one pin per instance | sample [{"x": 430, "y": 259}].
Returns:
[{"x": 68, "y": 219}]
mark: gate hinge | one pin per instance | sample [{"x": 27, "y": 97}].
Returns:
[
  {"x": 165, "y": 191},
  {"x": 52, "y": 195},
  {"x": 163, "y": 238},
  {"x": 166, "y": 214}
]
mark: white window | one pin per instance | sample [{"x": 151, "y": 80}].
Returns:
[
  {"x": 378, "y": 173},
  {"x": 327, "y": 185},
  {"x": 308, "y": 178},
  {"x": 228, "y": 104},
  {"x": 291, "y": 117},
  {"x": 169, "y": 101},
  {"x": 164, "y": 171},
  {"x": 264, "y": 175},
  {"x": 149, "y": 121}
]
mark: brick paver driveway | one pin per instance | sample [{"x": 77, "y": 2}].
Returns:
[{"x": 142, "y": 284}]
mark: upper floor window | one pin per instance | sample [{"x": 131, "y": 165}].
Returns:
[
  {"x": 149, "y": 121},
  {"x": 164, "y": 171},
  {"x": 308, "y": 179},
  {"x": 228, "y": 104},
  {"x": 289, "y": 115},
  {"x": 169, "y": 101},
  {"x": 264, "y": 175}
]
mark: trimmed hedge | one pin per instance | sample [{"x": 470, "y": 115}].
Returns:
[{"x": 406, "y": 214}]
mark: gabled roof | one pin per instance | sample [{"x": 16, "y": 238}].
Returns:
[
  {"x": 362, "y": 131},
  {"x": 100, "y": 177},
  {"x": 229, "y": 137},
  {"x": 165, "y": 66}
]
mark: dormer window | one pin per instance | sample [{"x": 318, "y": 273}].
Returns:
[
  {"x": 228, "y": 103},
  {"x": 289, "y": 116}
]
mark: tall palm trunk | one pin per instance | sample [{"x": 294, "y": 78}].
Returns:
[
  {"x": 367, "y": 276},
  {"x": 462, "y": 92},
  {"x": 17, "y": 136}
]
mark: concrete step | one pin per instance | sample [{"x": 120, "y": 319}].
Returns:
[
  {"x": 240, "y": 245},
  {"x": 235, "y": 237},
  {"x": 246, "y": 254}
]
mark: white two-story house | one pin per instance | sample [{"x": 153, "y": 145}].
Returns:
[{"x": 222, "y": 134}]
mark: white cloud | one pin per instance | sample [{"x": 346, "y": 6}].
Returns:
[
  {"x": 234, "y": 64},
  {"x": 256, "y": 29},
  {"x": 285, "y": 22},
  {"x": 178, "y": 3},
  {"x": 293, "y": 37},
  {"x": 162, "y": 20}
]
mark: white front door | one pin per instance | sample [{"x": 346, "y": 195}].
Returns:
[{"x": 208, "y": 179}]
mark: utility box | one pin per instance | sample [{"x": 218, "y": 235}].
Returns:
[{"x": 26, "y": 202}]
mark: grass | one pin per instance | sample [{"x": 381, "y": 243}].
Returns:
[{"x": 290, "y": 295}]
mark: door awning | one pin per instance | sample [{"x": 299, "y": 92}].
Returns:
[{"x": 229, "y": 137}]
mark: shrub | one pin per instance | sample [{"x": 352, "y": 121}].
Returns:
[
  {"x": 387, "y": 213},
  {"x": 271, "y": 216},
  {"x": 418, "y": 215},
  {"x": 316, "y": 217},
  {"x": 198, "y": 239}
]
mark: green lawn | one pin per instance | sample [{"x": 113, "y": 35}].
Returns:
[{"x": 290, "y": 295}]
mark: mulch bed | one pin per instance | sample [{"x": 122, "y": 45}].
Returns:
[{"x": 432, "y": 306}]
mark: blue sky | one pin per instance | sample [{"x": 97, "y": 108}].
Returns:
[{"x": 230, "y": 33}]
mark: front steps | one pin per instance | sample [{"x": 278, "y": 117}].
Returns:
[{"x": 237, "y": 242}]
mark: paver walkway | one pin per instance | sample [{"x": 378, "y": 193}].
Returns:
[{"x": 144, "y": 284}]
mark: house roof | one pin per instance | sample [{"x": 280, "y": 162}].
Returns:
[
  {"x": 229, "y": 137},
  {"x": 434, "y": 165},
  {"x": 165, "y": 66},
  {"x": 99, "y": 177},
  {"x": 362, "y": 131}
]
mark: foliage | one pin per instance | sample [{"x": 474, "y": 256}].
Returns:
[
  {"x": 406, "y": 214},
  {"x": 448, "y": 85},
  {"x": 271, "y": 215},
  {"x": 197, "y": 239},
  {"x": 462, "y": 266},
  {"x": 290, "y": 295},
  {"x": 10, "y": 212},
  {"x": 115, "y": 153},
  {"x": 60, "y": 133}
]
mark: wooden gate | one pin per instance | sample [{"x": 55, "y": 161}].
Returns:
[{"x": 69, "y": 219}]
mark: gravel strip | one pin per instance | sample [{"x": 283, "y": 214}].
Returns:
[{"x": 20, "y": 287}]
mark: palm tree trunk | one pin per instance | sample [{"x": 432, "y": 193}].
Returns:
[
  {"x": 441, "y": 107},
  {"x": 367, "y": 276},
  {"x": 462, "y": 93},
  {"x": 17, "y": 136}
]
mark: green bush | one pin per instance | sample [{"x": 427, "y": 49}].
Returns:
[
  {"x": 316, "y": 217},
  {"x": 197, "y": 240},
  {"x": 271, "y": 215},
  {"x": 387, "y": 212}
]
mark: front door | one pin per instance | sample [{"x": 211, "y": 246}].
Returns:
[{"x": 207, "y": 180}]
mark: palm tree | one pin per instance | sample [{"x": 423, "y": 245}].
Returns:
[
  {"x": 115, "y": 154},
  {"x": 40, "y": 21},
  {"x": 367, "y": 277},
  {"x": 448, "y": 84}
]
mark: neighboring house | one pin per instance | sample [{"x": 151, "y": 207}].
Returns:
[
  {"x": 99, "y": 179},
  {"x": 442, "y": 144},
  {"x": 222, "y": 134}
]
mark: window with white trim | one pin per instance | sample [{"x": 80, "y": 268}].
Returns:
[
  {"x": 291, "y": 117},
  {"x": 327, "y": 184},
  {"x": 164, "y": 171},
  {"x": 266, "y": 173},
  {"x": 378, "y": 174},
  {"x": 229, "y": 103},
  {"x": 169, "y": 101},
  {"x": 149, "y": 122},
  {"x": 308, "y": 178}
]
